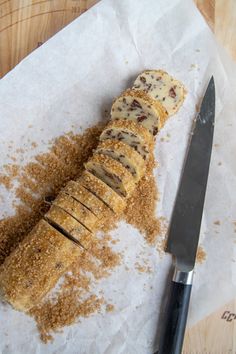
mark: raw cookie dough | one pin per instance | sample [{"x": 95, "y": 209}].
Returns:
[
  {"x": 137, "y": 106},
  {"x": 35, "y": 266},
  {"x": 88, "y": 199},
  {"x": 70, "y": 226},
  {"x": 163, "y": 88},
  {"x": 113, "y": 200},
  {"x": 111, "y": 172},
  {"x": 77, "y": 210},
  {"x": 125, "y": 154},
  {"x": 132, "y": 134}
]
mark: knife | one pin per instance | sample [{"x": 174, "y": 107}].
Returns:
[{"x": 185, "y": 224}]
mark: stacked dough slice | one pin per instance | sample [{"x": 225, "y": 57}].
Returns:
[{"x": 84, "y": 205}]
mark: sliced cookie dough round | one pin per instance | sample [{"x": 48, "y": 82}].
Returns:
[
  {"x": 102, "y": 191},
  {"x": 163, "y": 88},
  {"x": 35, "y": 266},
  {"x": 88, "y": 199},
  {"x": 130, "y": 133},
  {"x": 71, "y": 227},
  {"x": 137, "y": 106},
  {"x": 77, "y": 210},
  {"x": 124, "y": 154},
  {"x": 111, "y": 172}
]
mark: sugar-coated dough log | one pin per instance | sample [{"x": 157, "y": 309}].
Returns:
[
  {"x": 70, "y": 226},
  {"x": 77, "y": 210},
  {"x": 35, "y": 266},
  {"x": 94, "y": 184},
  {"x": 125, "y": 154},
  {"x": 111, "y": 172},
  {"x": 87, "y": 198},
  {"x": 163, "y": 88},
  {"x": 136, "y": 105},
  {"x": 130, "y": 133}
]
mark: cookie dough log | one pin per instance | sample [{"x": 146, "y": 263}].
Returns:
[
  {"x": 124, "y": 154},
  {"x": 35, "y": 266},
  {"x": 130, "y": 133},
  {"x": 69, "y": 226},
  {"x": 77, "y": 210},
  {"x": 163, "y": 88},
  {"x": 102, "y": 191},
  {"x": 111, "y": 172},
  {"x": 140, "y": 107},
  {"x": 88, "y": 199}
]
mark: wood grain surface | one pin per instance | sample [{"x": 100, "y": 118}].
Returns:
[{"x": 26, "y": 24}]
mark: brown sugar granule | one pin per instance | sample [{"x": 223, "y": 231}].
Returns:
[
  {"x": 34, "y": 144},
  {"x": 142, "y": 268},
  {"x": 140, "y": 210},
  {"x": 110, "y": 308},
  {"x": 201, "y": 255}
]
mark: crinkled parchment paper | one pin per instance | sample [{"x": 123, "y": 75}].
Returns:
[{"x": 72, "y": 79}]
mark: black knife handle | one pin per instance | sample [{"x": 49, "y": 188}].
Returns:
[{"x": 172, "y": 337}]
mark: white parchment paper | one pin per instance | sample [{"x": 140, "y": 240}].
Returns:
[{"x": 72, "y": 79}]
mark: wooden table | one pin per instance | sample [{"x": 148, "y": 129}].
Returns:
[{"x": 26, "y": 24}]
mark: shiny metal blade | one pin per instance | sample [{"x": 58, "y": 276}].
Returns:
[{"x": 187, "y": 214}]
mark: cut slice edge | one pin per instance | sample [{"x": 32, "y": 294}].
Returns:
[
  {"x": 162, "y": 87},
  {"x": 140, "y": 107},
  {"x": 111, "y": 172},
  {"x": 70, "y": 226},
  {"x": 131, "y": 134},
  {"x": 62, "y": 231},
  {"x": 77, "y": 210},
  {"x": 87, "y": 198},
  {"x": 102, "y": 191},
  {"x": 125, "y": 155}
]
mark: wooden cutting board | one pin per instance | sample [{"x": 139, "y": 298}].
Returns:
[{"x": 26, "y": 24}]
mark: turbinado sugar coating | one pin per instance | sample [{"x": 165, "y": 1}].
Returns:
[
  {"x": 69, "y": 226},
  {"x": 25, "y": 273},
  {"x": 87, "y": 198},
  {"x": 80, "y": 212},
  {"x": 137, "y": 106},
  {"x": 112, "y": 173},
  {"x": 100, "y": 189},
  {"x": 124, "y": 154}
]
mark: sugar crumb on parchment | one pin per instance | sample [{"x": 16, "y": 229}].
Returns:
[
  {"x": 110, "y": 308},
  {"x": 43, "y": 178},
  {"x": 201, "y": 255},
  {"x": 142, "y": 268}
]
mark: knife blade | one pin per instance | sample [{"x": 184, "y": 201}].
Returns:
[{"x": 185, "y": 223}]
